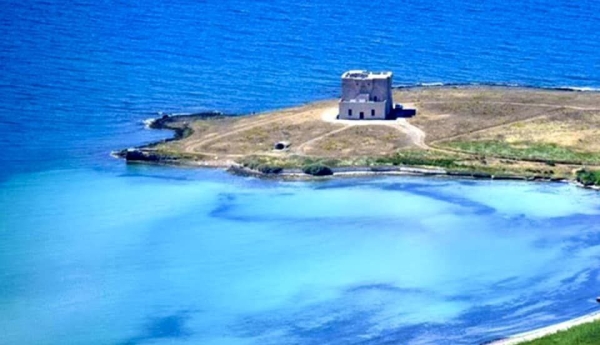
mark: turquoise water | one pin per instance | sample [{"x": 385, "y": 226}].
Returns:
[
  {"x": 93, "y": 251},
  {"x": 163, "y": 256}
]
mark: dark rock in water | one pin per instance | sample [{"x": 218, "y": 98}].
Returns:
[
  {"x": 165, "y": 119},
  {"x": 139, "y": 155},
  {"x": 481, "y": 175},
  {"x": 241, "y": 171},
  {"x": 508, "y": 177}
]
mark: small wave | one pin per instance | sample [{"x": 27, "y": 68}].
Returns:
[
  {"x": 439, "y": 84},
  {"x": 148, "y": 122},
  {"x": 578, "y": 88},
  {"x": 432, "y": 84},
  {"x": 559, "y": 88}
]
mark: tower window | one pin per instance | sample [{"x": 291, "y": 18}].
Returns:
[
  {"x": 349, "y": 112},
  {"x": 372, "y": 112}
]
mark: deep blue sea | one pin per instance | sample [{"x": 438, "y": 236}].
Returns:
[{"x": 93, "y": 251}]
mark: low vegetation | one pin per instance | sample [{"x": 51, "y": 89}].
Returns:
[
  {"x": 588, "y": 177},
  {"x": 586, "y": 334},
  {"x": 550, "y": 153},
  {"x": 317, "y": 170},
  {"x": 419, "y": 158},
  {"x": 262, "y": 166},
  {"x": 269, "y": 169},
  {"x": 285, "y": 162}
]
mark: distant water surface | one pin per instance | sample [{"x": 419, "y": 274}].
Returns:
[{"x": 93, "y": 251}]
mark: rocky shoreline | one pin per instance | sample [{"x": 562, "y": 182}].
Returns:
[
  {"x": 385, "y": 170},
  {"x": 179, "y": 124},
  {"x": 149, "y": 156}
]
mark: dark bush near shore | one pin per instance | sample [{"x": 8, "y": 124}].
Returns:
[
  {"x": 269, "y": 169},
  {"x": 263, "y": 168},
  {"x": 317, "y": 170},
  {"x": 588, "y": 178},
  {"x": 133, "y": 155}
]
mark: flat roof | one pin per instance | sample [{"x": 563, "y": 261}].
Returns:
[{"x": 361, "y": 74}]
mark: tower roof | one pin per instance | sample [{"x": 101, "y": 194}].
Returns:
[{"x": 362, "y": 74}]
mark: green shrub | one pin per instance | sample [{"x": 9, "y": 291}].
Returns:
[
  {"x": 416, "y": 159},
  {"x": 550, "y": 153},
  {"x": 252, "y": 165},
  {"x": 317, "y": 170},
  {"x": 269, "y": 169},
  {"x": 588, "y": 177}
]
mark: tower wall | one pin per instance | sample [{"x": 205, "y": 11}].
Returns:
[{"x": 365, "y": 92}]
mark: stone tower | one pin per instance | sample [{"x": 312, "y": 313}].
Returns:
[{"x": 366, "y": 95}]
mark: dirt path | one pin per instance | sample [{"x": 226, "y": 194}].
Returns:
[
  {"x": 193, "y": 145},
  {"x": 415, "y": 134},
  {"x": 300, "y": 147}
]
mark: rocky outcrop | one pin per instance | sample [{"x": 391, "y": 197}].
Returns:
[{"x": 142, "y": 155}]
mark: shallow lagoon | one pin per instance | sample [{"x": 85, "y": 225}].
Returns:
[{"x": 146, "y": 255}]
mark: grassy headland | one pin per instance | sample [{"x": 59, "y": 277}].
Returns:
[{"x": 482, "y": 131}]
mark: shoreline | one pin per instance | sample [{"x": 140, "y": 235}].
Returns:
[
  {"x": 291, "y": 175},
  {"x": 140, "y": 155},
  {"x": 368, "y": 171},
  {"x": 547, "y": 330}
]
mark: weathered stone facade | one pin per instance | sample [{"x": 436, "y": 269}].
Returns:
[{"x": 366, "y": 95}]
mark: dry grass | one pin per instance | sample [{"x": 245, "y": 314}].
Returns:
[
  {"x": 356, "y": 141},
  {"x": 566, "y": 135},
  {"x": 575, "y": 129},
  {"x": 557, "y": 123},
  {"x": 453, "y": 118},
  {"x": 446, "y": 112},
  {"x": 261, "y": 138}
]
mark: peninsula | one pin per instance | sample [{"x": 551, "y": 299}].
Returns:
[{"x": 477, "y": 131}]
